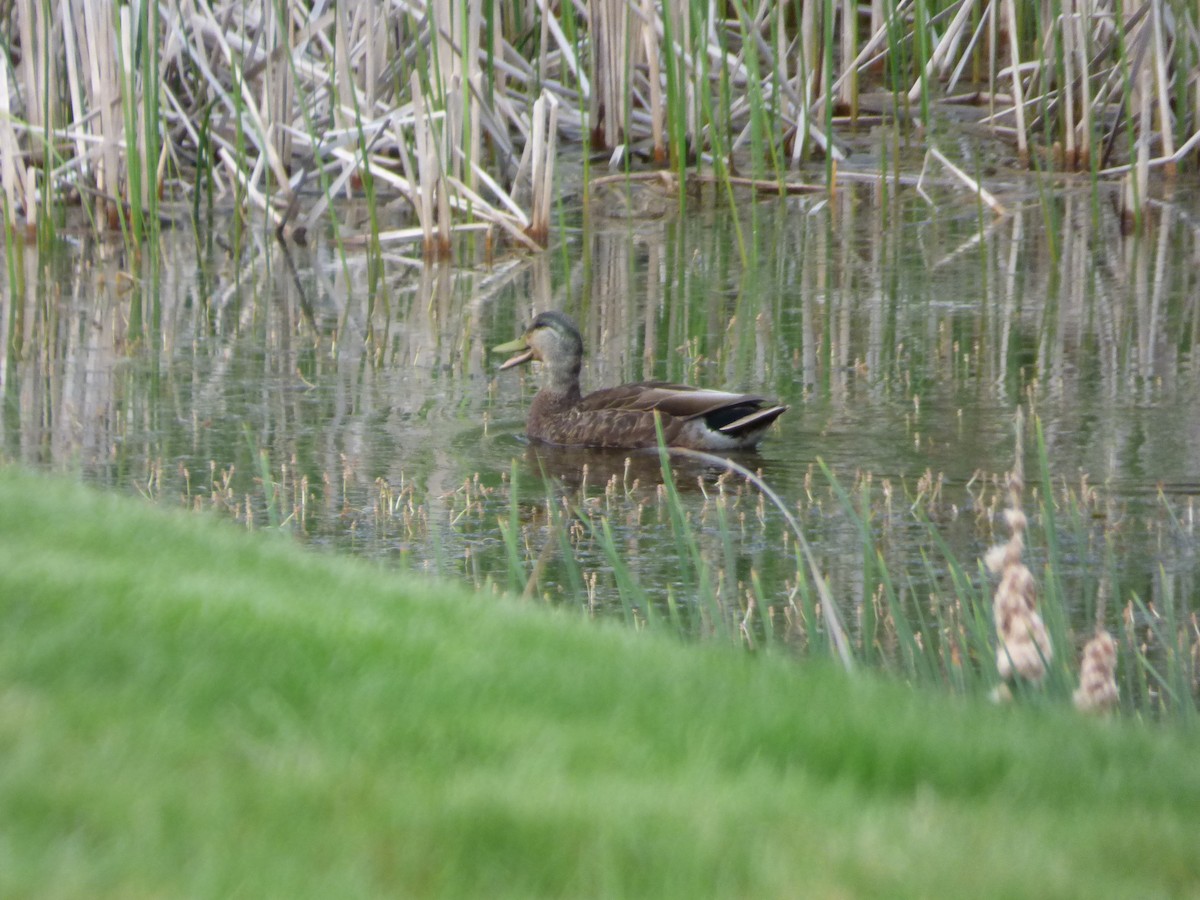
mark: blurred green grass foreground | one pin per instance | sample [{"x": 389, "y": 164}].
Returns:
[{"x": 190, "y": 710}]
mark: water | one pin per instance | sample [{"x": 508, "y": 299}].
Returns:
[{"x": 276, "y": 386}]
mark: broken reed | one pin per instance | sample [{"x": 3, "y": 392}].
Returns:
[{"x": 459, "y": 110}]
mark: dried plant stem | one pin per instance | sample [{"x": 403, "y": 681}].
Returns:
[
  {"x": 1017, "y": 89},
  {"x": 447, "y": 90},
  {"x": 12, "y": 166},
  {"x": 974, "y": 186}
]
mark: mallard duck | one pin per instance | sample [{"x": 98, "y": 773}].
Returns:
[{"x": 623, "y": 417}]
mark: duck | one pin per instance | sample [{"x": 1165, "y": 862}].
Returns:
[{"x": 624, "y": 417}]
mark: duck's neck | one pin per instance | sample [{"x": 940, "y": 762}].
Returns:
[
  {"x": 563, "y": 379},
  {"x": 560, "y": 386}
]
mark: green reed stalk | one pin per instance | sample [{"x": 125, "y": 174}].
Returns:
[
  {"x": 1111, "y": 586},
  {"x": 45, "y": 225},
  {"x": 631, "y": 594},
  {"x": 827, "y": 68},
  {"x": 923, "y": 51},
  {"x": 894, "y": 61},
  {"x": 263, "y": 457},
  {"x": 1053, "y": 605},
  {"x": 1137, "y": 673},
  {"x": 13, "y": 253},
  {"x": 869, "y": 575},
  {"x": 151, "y": 112},
  {"x": 720, "y": 130},
  {"x": 762, "y": 142},
  {"x": 726, "y": 536},
  {"x": 1173, "y": 685},
  {"x": 860, "y": 516},
  {"x": 912, "y": 654},
  {"x": 240, "y": 157},
  {"x": 490, "y": 11},
  {"x": 1051, "y": 214},
  {"x": 685, "y": 538},
  {"x": 819, "y": 642},
  {"x": 206, "y": 162},
  {"x": 134, "y": 229},
  {"x": 764, "y": 608},
  {"x": 1063, "y": 126},
  {"x": 375, "y": 265},
  {"x": 510, "y": 531},
  {"x": 965, "y": 587},
  {"x": 676, "y": 108},
  {"x": 1172, "y": 633},
  {"x": 577, "y": 41},
  {"x": 566, "y": 551}
]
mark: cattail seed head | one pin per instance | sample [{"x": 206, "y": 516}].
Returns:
[
  {"x": 1097, "y": 691},
  {"x": 1023, "y": 644}
]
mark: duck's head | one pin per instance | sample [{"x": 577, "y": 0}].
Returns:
[{"x": 552, "y": 339}]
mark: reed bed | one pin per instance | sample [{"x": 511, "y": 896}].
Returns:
[
  {"x": 449, "y": 117},
  {"x": 360, "y": 419},
  {"x": 739, "y": 565}
]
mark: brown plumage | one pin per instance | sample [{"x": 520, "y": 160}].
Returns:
[{"x": 623, "y": 417}]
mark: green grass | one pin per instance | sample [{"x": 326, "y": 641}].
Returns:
[{"x": 190, "y": 710}]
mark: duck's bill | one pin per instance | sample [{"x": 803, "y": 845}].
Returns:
[{"x": 519, "y": 347}]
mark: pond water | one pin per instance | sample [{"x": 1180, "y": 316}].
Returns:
[{"x": 352, "y": 400}]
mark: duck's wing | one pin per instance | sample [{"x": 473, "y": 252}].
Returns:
[
  {"x": 624, "y": 417},
  {"x": 677, "y": 400},
  {"x": 615, "y": 428}
]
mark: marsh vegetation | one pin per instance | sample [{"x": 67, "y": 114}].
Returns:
[
  {"x": 269, "y": 246},
  {"x": 449, "y": 117}
]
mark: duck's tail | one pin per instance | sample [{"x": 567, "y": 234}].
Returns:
[{"x": 753, "y": 422}]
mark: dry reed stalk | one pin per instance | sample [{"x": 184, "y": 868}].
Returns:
[
  {"x": 105, "y": 96},
  {"x": 1083, "y": 153},
  {"x": 564, "y": 46},
  {"x": 969, "y": 53},
  {"x": 545, "y": 147},
  {"x": 1066, "y": 23},
  {"x": 609, "y": 21},
  {"x": 37, "y": 62},
  {"x": 249, "y": 183},
  {"x": 425, "y": 174},
  {"x": 869, "y": 57},
  {"x": 945, "y": 49},
  {"x": 1163, "y": 83},
  {"x": 792, "y": 107},
  {"x": 277, "y": 88},
  {"x": 464, "y": 199},
  {"x": 1178, "y": 156},
  {"x": 205, "y": 25},
  {"x": 75, "y": 87},
  {"x": 1017, "y": 89},
  {"x": 1097, "y": 691},
  {"x": 1023, "y": 644},
  {"x": 347, "y": 105},
  {"x": 1137, "y": 181},
  {"x": 807, "y": 64},
  {"x": 12, "y": 164},
  {"x": 658, "y": 115},
  {"x": 848, "y": 80},
  {"x": 972, "y": 185}
]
